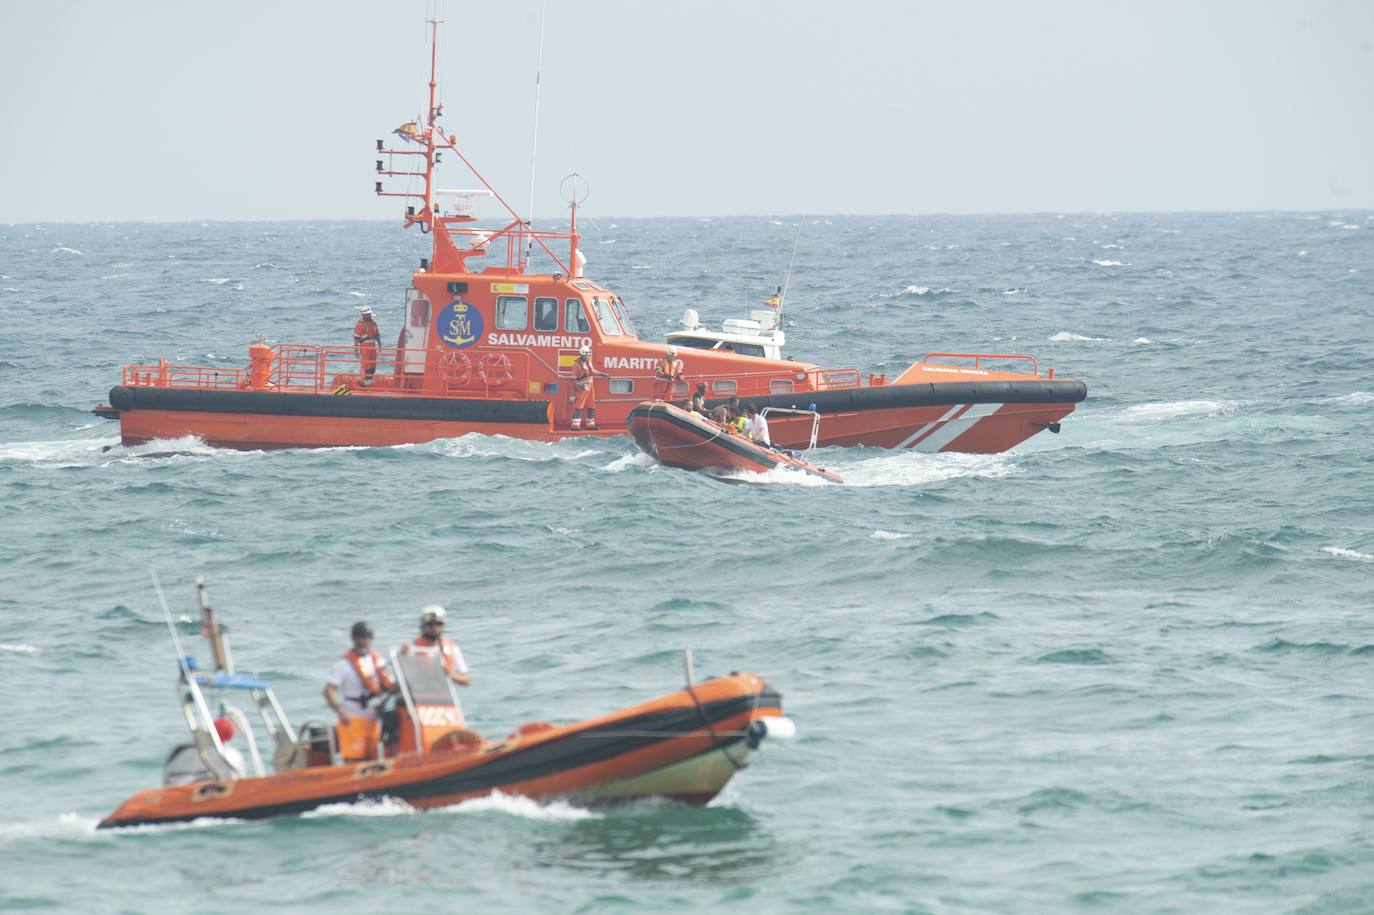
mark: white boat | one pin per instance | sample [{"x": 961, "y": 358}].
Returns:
[{"x": 760, "y": 335}]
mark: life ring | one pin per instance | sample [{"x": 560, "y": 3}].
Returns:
[
  {"x": 455, "y": 369},
  {"x": 496, "y": 369}
]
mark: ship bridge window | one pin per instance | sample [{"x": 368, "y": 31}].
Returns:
[
  {"x": 574, "y": 318},
  {"x": 604, "y": 316},
  {"x": 512, "y": 312},
  {"x": 545, "y": 314},
  {"x": 744, "y": 349},
  {"x": 693, "y": 342},
  {"x": 623, "y": 314}
]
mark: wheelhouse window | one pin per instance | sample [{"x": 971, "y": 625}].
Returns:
[
  {"x": 622, "y": 385},
  {"x": 545, "y": 314},
  {"x": 605, "y": 317},
  {"x": 574, "y": 318},
  {"x": 623, "y": 314},
  {"x": 512, "y": 312},
  {"x": 744, "y": 349}
]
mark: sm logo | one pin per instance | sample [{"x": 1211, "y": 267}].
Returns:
[{"x": 460, "y": 324}]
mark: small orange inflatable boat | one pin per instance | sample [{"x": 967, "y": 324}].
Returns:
[
  {"x": 688, "y": 440},
  {"x": 684, "y": 746}
]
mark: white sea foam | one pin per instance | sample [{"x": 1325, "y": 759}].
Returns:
[
  {"x": 355, "y": 293},
  {"x": 65, "y": 825},
  {"x": 524, "y": 807},
  {"x": 476, "y": 444},
  {"x": 1142, "y": 341},
  {"x": 379, "y": 807},
  {"x": 1302, "y": 254},
  {"x": 1110, "y": 247},
  {"x": 1357, "y": 398},
  {"x": 116, "y": 276},
  {"x": 63, "y": 249},
  {"x": 641, "y": 267},
  {"x": 638, "y": 460},
  {"x": 216, "y": 280},
  {"x": 18, "y": 649},
  {"x": 1065, "y": 337},
  {"x": 888, "y": 535},
  {"x": 1350, "y": 225},
  {"x": 916, "y": 290},
  {"x": 911, "y": 468},
  {"x": 62, "y": 453},
  {"x": 1342, "y": 553},
  {"x": 1151, "y": 412},
  {"x": 607, "y": 241},
  {"x": 1109, "y": 263}
]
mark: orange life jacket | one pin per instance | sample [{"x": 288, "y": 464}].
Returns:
[
  {"x": 447, "y": 650},
  {"x": 366, "y": 329},
  {"x": 670, "y": 368},
  {"x": 376, "y": 682},
  {"x": 582, "y": 373}
]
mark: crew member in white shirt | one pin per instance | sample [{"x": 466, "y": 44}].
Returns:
[
  {"x": 756, "y": 426},
  {"x": 359, "y": 679}
]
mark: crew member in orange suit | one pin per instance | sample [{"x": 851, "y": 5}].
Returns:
[
  {"x": 583, "y": 379},
  {"x": 668, "y": 374},
  {"x": 366, "y": 338}
]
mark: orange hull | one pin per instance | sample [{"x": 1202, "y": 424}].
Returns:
[{"x": 681, "y": 746}]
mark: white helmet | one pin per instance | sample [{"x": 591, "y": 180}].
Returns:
[
  {"x": 672, "y": 351},
  {"x": 586, "y": 350},
  {"x": 432, "y": 614},
  {"x": 367, "y": 311}
]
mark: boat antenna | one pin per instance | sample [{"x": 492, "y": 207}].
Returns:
[
  {"x": 534, "y": 140},
  {"x": 181, "y": 660},
  {"x": 787, "y": 280}
]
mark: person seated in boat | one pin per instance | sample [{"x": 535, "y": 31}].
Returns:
[
  {"x": 736, "y": 415},
  {"x": 721, "y": 417},
  {"x": 668, "y": 375},
  {"x": 359, "y": 679},
  {"x": 366, "y": 338},
  {"x": 756, "y": 426},
  {"x": 698, "y": 402},
  {"x": 584, "y": 377},
  {"x": 432, "y": 620}
]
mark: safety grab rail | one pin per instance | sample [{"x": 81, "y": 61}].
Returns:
[{"x": 979, "y": 357}]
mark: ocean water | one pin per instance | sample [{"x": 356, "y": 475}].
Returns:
[{"x": 1128, "y": 668}]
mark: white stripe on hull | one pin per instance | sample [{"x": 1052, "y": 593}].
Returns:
[
  {"x": 907, "y": 442},
  {"x": 954, "y": 428}
]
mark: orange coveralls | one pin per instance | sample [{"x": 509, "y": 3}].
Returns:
[{"x": 366, "y": 337}]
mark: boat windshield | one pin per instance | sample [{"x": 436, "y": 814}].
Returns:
[
  {"x": 623, "y": 313},
  {"x": 605, "y": 317},
  {"x": 425, "y": 678}
]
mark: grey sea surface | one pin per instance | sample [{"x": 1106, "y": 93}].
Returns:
[{"x": 1128, "y": 668}]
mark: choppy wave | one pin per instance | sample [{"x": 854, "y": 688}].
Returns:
[
  {"x": 1342, "y": 553},
  {"x": 1065, "y": 336}
]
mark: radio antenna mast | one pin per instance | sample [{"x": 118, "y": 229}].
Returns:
[{"x": 534, "y": 140}]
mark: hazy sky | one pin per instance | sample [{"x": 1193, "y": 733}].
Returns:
[{"x": 269, "y": 110}]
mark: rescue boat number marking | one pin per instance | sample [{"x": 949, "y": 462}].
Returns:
[
  {"x": 557, "y": 340},
  {"x": 437, "y": 715},
  {"x": 460, "y": 324}
]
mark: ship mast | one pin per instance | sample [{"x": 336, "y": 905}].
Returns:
[{"x": 455, "y": 240}]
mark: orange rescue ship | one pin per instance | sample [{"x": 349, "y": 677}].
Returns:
[{"x": 491, "y": 349}]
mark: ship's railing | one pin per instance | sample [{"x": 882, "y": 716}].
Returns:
[
  {"x": 164, "y": 374},
  {"x": 980, "y": 358},
  {"x": 725, "y": 382},
  {"x": 309, "y": 369}
]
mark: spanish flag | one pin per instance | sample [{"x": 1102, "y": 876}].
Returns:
[
  {"x": 773, "y": 301},
  {"x": 410, "y": 130}
]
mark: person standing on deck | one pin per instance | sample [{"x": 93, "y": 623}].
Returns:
[
  {"x": 584, "y": 377},
  {"x": 756, "y": 426},
  {"x": 366, "y": 338},
  {"x": 668, "y": 374},
  {"x": 432, "y": 620}
]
